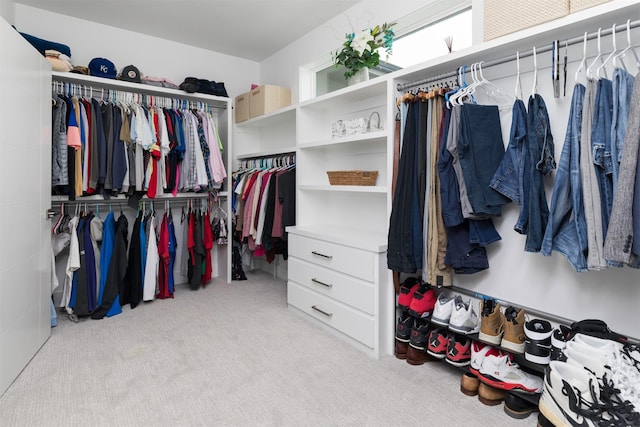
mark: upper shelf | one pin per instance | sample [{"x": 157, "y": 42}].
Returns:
[
  {"x": 362, "y": 137},
  {"x": 372, "y": 88},
  {"x": 283, "y": 115},
  {"x": 103, "y": 83}
]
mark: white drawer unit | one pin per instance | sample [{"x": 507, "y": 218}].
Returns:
[{"x": 344, "y": 285}]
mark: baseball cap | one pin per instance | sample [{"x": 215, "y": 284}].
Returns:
[
  {"x": 102, "y": 67},
  {"x": 130, "y": 73}
]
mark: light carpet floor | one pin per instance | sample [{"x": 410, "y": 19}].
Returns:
[{"x": 229, "y": 355}]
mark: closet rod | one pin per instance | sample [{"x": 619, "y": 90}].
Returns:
[
  {"x": 579, "y": 39},
  {"x": 268, "y": 156}
]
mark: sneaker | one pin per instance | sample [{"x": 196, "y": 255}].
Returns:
[
  {"x": 443, "y": 308},
  {"x": 518, "y": 407},
  {"x": 606, "y": 360},
  {"x": 438, "y": 343},
  {"x": 572, "y": 397},
  {"x": 416, "y": 353},
  {"x": 499, "y": 370},
  {"x": 464, "y": 318},
  {"x": 403, "y": 334},
  {"x": 513, "y": 339},
  {"x": 491, "y": 322},
  {"x": 423, "y": 302},
  {"x": 478, "y": 352},
  {"x": 559, "y": 339},
  {"x": 537, "y": 345},
  {"x": 459, "y": 351},
  {"x": 407, "y": 290}
]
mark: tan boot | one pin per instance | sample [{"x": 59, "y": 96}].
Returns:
[
  {"x": 514, "y": 337},
  {"x": 469, "y": 384},
  {"x": 491, "y": 322},
  {"x": 490, "y": 396}
]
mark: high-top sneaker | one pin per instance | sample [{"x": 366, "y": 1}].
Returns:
[
  {"x": 403, "y": 334},
  {"x": 439, "y": 342},
  {"x": 417, "y": 350},
  {"x": 491, "y": 322},
  {"x": 459, "y": 351},
  {"x": 559, "y": 339},
  {"x": 464, "y": 318},
  {"x": 499, "y": 370},
  {"x": 537, "y": 346},
  {"x": 513, "y": 339},
  {"x": 572, "y": 396},
  {"x": 407, "y": 290},
  {"x": 423, "y": 302}
]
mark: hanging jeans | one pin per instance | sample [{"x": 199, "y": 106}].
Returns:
[
  {"x": 601, "y": 148},
  {"x": 590, "y": 189},
  {"x": 622, "y": 89},
  {"x": 566, "y": 230},
  {"x": 541, "y": 162},
  {"x": 480, "y": 151},
  {"x": 404, "y": 251},
  {"x": 509, "y": 178}
]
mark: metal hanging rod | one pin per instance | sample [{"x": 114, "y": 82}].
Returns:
[{"x": 401, "y": 87}]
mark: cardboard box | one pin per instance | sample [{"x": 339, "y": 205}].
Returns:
[
  {"x": 506, "y": 17},
  {"x": 242, "y": 107},
  {"x": 267, "y": 98}
]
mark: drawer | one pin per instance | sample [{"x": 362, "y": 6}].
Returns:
[
  {"x": 346, "y": 289},
  {"x": 352, "y": 261},
  {"x": 356, "y": 325}
]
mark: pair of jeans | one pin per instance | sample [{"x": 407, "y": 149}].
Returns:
[
  {"x": 601, "y": 148},
  {"x": 404, "y": 251},
  {"x": 509, "y": 178},
  {"x": 566, "y": 230},
  {"x": 622, "y": 88},
  {"x": 463, "y": 256},
  {"x": 480, "y": 151},
  {"x": 540, "y": 150}
]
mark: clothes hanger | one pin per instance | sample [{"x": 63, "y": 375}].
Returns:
[
  {"x": 534, "y": 88},
  {"x": 611, "y": 55},
  {"x": 584, "y": 58},
  {"x": 597, "y": 58},
  {"x": 624, "y": 51},
  {"x": 518, "y": 90}
]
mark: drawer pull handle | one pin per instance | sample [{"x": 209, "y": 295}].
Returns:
[
  {"x": 322, "y": 255},
  {"x": 321, "y": 311},
  {"x": 328, "y": 285}
]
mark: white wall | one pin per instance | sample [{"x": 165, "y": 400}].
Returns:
[
  {"x": 152, "y": 55},
  {"x": 6, "y": 10},
  {"x": 282, "y": 68}
]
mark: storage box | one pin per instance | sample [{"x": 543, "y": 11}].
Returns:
[
  {"x": 242, "y": 107},
  {"x": 505, "y": 17},
  {"x": 267, "y": 98},
  {"x": 577, "y": 5}
]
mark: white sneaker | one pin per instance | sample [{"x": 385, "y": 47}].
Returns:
[
  {"x": 464, "y": 318},
  {"x": 443, "y": 309},
  {"x": 478, "y": 352},
  {"x": 572, "y": 397},
  {"x": 498, "y": 370}
]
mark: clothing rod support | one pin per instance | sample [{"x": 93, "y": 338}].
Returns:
[{"x": 401, "y": 87}]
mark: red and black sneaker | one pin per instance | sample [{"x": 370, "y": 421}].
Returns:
[
  {"x": 459, "y": 351},
  {"x": 407, "y": 290},
  {"x": 438, "y": 342},
  {"x": 423, "y": 302}
]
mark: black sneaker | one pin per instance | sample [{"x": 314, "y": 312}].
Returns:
[
  {"x": 559, "y": 339},
  {"x": 518, "y": 407},
  {"x": 419, "y": 335},
  {"x": 537, "y": 344},
  {"x": 403, "y": 334}
]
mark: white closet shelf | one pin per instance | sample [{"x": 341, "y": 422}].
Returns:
[
  {"x": 268, "y": 153},
  {"x": 345, "y": 188},
  {"x": 113, "y": 84},
  {"x": 378, "y": 136},
  {"x": 273, "y": 118},
  {"x": 376, "y": 87}
]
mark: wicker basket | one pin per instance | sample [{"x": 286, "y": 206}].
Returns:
[{"x": 352, "y": 177}]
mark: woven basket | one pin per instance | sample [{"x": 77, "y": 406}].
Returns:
[
  {"x": 352, "y": 177},
  {"x": 505, "y": 17}
]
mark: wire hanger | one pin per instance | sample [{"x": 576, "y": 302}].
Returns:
[
  {"x": 611, "y": 55},
  {"x": 597, "y": 58}
]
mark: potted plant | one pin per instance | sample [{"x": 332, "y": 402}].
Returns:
[{"x": 362, "y": 51}]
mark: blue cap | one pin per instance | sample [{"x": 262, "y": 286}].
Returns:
[{"x": 102, "y": 67}]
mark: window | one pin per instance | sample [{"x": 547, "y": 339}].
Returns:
[{"x": 419, "y": 37}]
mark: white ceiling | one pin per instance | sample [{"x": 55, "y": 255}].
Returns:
[{"x": 251, "y": 29}]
